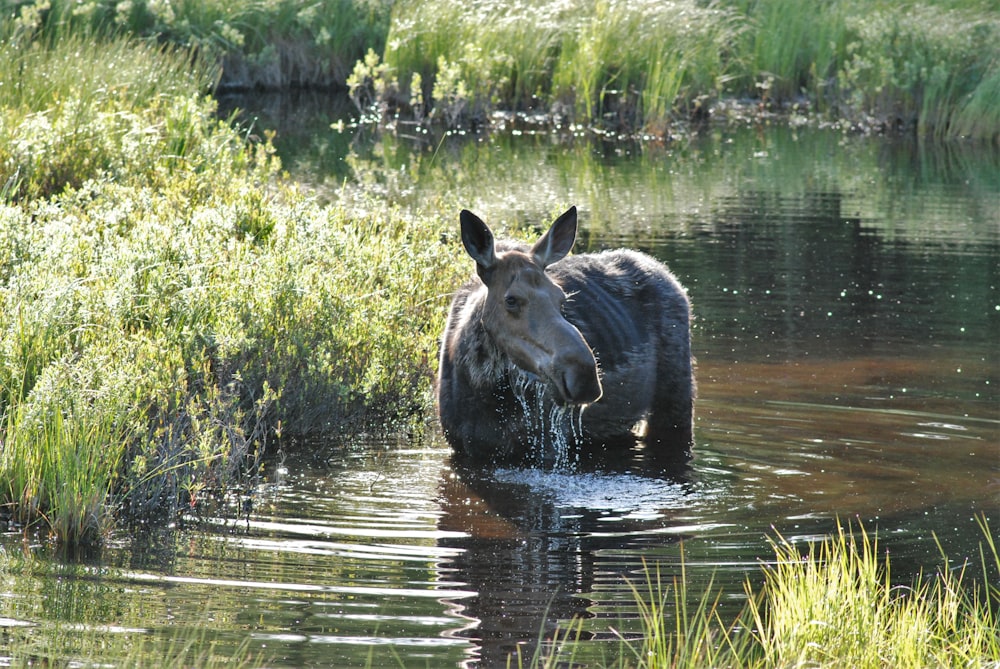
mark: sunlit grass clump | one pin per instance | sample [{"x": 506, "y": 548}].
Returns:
[
  {"x": 837, "y": 605},
  {"x": 834, "y": 604}
]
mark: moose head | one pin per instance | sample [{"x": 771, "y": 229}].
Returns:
[{"x": 523, "y": 312}]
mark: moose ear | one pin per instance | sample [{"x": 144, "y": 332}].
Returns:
[
  {"x": 558, "y": 241},
  {"x": 478, "y": 240}
]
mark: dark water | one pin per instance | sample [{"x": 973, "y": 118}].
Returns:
[{"x": 847, "y": 294}]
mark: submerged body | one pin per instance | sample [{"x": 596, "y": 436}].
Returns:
[{"x": 614, "y": 350}]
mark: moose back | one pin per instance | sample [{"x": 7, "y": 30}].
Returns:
[{"x": 544, "y": 349}]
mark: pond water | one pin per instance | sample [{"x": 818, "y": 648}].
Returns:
[{"x": 847, "y": 296}]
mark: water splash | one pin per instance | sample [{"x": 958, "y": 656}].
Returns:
[
  {"x": 553, "y": 432},
  {"x": 616, "y": 497}
]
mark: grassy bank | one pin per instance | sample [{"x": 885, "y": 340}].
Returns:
[
  {"x": 933, "y": 66},
  {"x": 258, "y": 44},
  {"x": 168, "y": 303}
]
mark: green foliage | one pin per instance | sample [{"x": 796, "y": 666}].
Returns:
[
  {"x": 695, "y": 638},
  {"x": 101, "y": 110},
  {"x": 168, "y": 304},
  {"x": 261, "y": 43},
  {"x": 925, "y": 66},
  {"x": 833, "y": 605},
  {"x": 635, "y": 65},
  {"x": 167, "y": 316},
  {"x": 929, "y": 64},
  {"x": 624, "y": 60},
  {"x": 790, "y": 49},
  {"x": 639, "y": 63},
  {"x": 837, "y": 604}
]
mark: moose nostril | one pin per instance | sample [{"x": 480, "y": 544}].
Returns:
[{"x": 581, "y": 386}]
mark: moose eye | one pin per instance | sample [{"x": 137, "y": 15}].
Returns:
[{"x": 510, "y": 302}]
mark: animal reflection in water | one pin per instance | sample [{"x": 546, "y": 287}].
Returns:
[{"x": 545, "y": 354}]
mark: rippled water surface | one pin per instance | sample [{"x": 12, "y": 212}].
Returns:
[{"x": 847, "y": 294}]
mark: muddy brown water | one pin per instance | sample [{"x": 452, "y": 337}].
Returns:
[{"x": 847, "y": 294}]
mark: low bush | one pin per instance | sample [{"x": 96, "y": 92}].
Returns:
[{"x": 168, "y": 303}]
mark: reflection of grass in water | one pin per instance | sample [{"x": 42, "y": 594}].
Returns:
[
  {"x": 833, "y": 605},
  {"x": 94, "y": 645},
  {"x": 65, "y": 614}
]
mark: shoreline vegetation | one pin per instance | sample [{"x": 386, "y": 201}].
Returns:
[
  {"x": 830, "y": 603},
  {"x": 929, "y": 67},
  {"x": 169, "y": 302}
]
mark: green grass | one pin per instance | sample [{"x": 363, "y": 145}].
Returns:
[
  {"x": 628, "y": 63},
  {"x": 169, "y": 304},
  {"x": 838, "y": 603},
  {"x": 181, "y": 328},
  {"x": 260, "y": 43},
  {"x": 834, "y": 604},
  {"x": 85, "y": 109},
  {"x": 629, "y": 66},
  {"x": 929, "y": 65}
]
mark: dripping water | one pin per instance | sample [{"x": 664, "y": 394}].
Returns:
[{"x": 553, "y": 432}]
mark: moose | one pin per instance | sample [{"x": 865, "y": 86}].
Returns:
[{"x": 543, "y": 349}]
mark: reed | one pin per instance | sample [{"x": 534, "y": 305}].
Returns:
[
  {"x": 270, "y": 44},
  {"x": 503, "y": 53},
  {"x": 928, "y": 65},
  {"x": 681, "y": 631},
  {"x": 837, "y": 603},
  {"x": 935, "y": 69},
  {"x": 627, "y": 62},
  {"x": 790, "y": 50},
  {"x": 60, "y": 467},
  {"x": 833, "y": 605}
]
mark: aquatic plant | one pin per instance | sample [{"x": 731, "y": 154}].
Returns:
[{"x": 837, "y": 603}]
